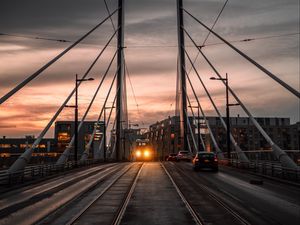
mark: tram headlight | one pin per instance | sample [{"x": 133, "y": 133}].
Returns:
[
  {"x": 146, "y": 153},
  {"x": 138, "y": 153}
]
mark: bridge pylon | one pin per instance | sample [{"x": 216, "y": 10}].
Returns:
[{"x": 182, "y": 78}]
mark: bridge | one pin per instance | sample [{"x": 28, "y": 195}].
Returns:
[{"x": 102, "y": 168}]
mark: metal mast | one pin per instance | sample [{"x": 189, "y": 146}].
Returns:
[
  {"x": 120, "y": 77},
  {"x": 182, "y": 76}
]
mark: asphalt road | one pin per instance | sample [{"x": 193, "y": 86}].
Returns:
[
  {"x": 270, "y": 203},
  {"x": 155, "y": 200}
]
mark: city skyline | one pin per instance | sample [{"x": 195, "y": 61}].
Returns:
[{"x": 151, "y": 54}]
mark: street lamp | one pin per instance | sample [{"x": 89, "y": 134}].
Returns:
[
  {"x": 77, "y": 82},
  {"x": 227, "y": 114},
  {"x": 104, "y": 131},
  {"x": 198, "y": 126}
]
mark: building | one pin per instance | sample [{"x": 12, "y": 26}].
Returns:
[
  {"x": 248, "y": 137},
  {"x": 64, "y": 131},
  {"x": 128, "y": 142},
  {"x": 164, "y": 135},
  {"x": 49, "y": 149},
  {"x": 12, "y": 148}
]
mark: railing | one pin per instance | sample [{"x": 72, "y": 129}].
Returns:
[
  {"x": 273, "y": 169},
  {"x": 40, "y": 171}
]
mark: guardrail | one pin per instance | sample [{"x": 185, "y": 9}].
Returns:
[
  {"x": 268, "y": 168},
  {"x": 40, "y": 171}
]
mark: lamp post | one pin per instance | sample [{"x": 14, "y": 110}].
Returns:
[
  {"x": 77, "y": 82},
  {"x": 227, "y": 114},
  {"x": 198, "y": 126}
]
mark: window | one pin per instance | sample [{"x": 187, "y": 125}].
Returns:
[
  {"x": 25, "y": 145},
  {"x": 5, "y": 146},
  {"x": 63, "y": 137}
]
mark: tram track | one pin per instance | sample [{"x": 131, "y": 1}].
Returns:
[
  {"x": 13, "y": 200},
  {"x": 189, "y": 206},
  {"x": 203, "y": 190},
  {"x": 55, "y": 197},
  {"x": 125, "y": 195}
]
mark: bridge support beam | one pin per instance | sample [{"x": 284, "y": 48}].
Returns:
[
  {"x": 182, "y": 77},
  {"x": 120, "y": 80}
]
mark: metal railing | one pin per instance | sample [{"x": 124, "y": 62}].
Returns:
[
  {"x": 272, "y": 169},
  {"x": 36, "y": 172}
]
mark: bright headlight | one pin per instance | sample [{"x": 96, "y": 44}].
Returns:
[
  {"x": 146, "y": 153},
  {"x": 138, "y": 153}
]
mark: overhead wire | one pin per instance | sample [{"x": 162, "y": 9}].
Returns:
[
  {"x": 207, "y": 36},
  {"x": 64, "y": 156},
  {"x": 249, "y": 59},
  {"x": 238, "y": 149},
  {"x": 34, "y": 37},
  {"x": 22, "y": 161},
  {"x": 39, "y": 71},
  {"x": 244, "y": 40},
  {"x": 133, "y": 92},
  {"x": 279, "y": 153},
  {"x": 126, "y": 68}
]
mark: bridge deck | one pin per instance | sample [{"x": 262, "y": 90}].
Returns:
[{"x": 152, "y": 193}]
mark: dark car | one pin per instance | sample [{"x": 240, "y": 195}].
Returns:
[
  {"x": 205, "y": 160},
  {"x": 183, "y": 156},
  {"x": 172, "y": 157}
]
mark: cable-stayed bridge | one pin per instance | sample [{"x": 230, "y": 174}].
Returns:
[{"x": 106, "y": 183}]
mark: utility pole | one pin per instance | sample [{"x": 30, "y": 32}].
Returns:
[
  {"x": 77, "y": 81},
  {"x": 104, "y": 140},
  {"x": 120, "y": 77},
  {"x": 228, "y": 143},
  {"x": 199, "y": 140},
  {"x": 227, "y": 121},
  {"x": 76, "y": 122},
  {"x": 183, "y": 106}
]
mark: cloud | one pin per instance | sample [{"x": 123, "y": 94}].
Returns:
[{"x": 152, "y": 69}]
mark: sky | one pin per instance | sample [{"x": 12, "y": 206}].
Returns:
[{"x": 151, "y": 57}]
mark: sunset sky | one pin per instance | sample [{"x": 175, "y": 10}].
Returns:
[{"x": 151, "y": 54}]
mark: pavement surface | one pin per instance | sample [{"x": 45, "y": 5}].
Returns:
[
  {"x": 155, "y": 201},
  {"x": 270, "y": 203}
]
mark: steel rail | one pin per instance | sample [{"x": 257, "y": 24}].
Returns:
[
  {"x": 122, "y": 210},
  {"x": 53, "y": 185},
  {"x": 75, "y": 218},
  {"x": 215, "y": 198},
  {"x": 190, "y": 208},
  {"x": 45, "y": 210}
]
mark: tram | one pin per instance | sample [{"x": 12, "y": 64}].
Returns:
[{"x": 143, "y": 151}]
